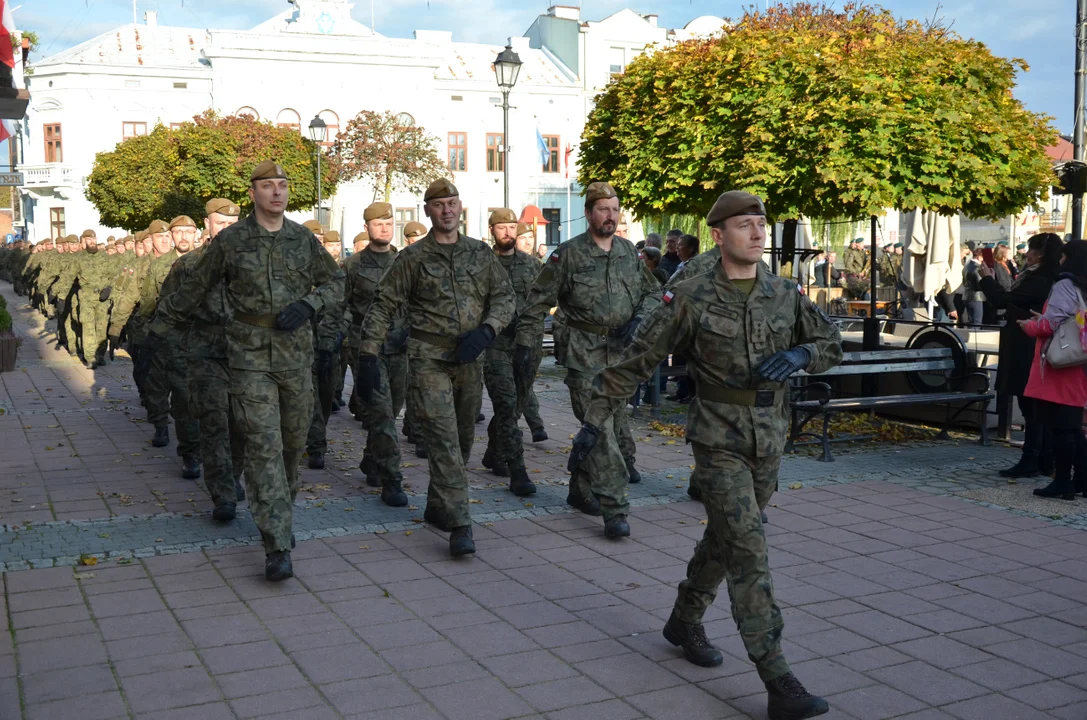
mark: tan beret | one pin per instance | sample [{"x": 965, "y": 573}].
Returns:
[
  {"x": 332, "y": 237},
  {"x": 314, "y": 227},
  {"x": 158, "y": 226},
  {"x": 733, "y": 203},
  {"x": 523, "y": 228},
  {"x": 222, "y": 206},
  {"x": 88, "y": 233},
  {"x": 502, "y": 215},
  {"x": 268, "y": 170},
  {"x": 361, "y": 237},
  {"x": 111, "y": 238},
  {"x": 71, "y": 239},
  {"x": 414, "y": 229},
  {"x": 378, "y": 211},
  {"x": 439, "y": 189},
  {"x": 598, "y": 191},
  {"x": 182, "y": 221}
]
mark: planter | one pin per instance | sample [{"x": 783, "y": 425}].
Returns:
[{"x": 9, "y": 349}]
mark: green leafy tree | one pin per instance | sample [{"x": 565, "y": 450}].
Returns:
[
  {"x": 175, "y": 171},
  {"x": 823, "y": 112},
  {"x": 391, "y": 155}
]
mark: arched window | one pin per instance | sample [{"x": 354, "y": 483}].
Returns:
[
  {"x": 332, "y": 122},
  {"x": 248, "y": 111},
  {"x": 405, "y": 120},
  {"x": 288, "y": 118}
]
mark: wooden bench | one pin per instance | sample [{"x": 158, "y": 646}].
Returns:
[{"x": 952, "y": 393}]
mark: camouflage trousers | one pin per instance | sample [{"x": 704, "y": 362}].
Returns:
[
  {"x": 735, "y": 489},
  {"x": 381, "y": 456},
  {"x": 505, "y": 389},
  {"x": 411, "y": 422},
  {"x": 603, "y": 473},
  {"x": 447, "y": 397},
  {"x": 272, "y": 412},
  {"x": 167, "y": 390},
  {"x": 221, "y": 446},
  {"x": 93, "y": 325},
  {"x": 323, "y": 395},
  {"x": 526, "y": 394},
  {"x": 70, "y": 320}
]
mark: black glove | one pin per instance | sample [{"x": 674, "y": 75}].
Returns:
[
  {"x": 784, "y": 363},
  {"x": 369, "y": 378},
  {"x": 626, "y": 333},
  {"x": 510, "y": 330},
  {"x": 292, "y": 316},
  {"x": 339, "y": 343},
  {"x": 142, "y": 365},
  {"x": 524, "y": 361},
  {"x": 471, "y": 344},
  {"x": 324, "y": 365},
  {"x": 104, "y": 295},
  {"x": 584, "y": 442}
]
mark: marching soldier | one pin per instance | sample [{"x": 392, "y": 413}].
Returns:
[
  {"x": 65, "y": 297},
  {"x": 505, "y": 454},
  {"x": 414, "y": 232},
  {"x": 603, "y": 291},
  {"x": 527, "y": 401},
  {"x": 328, "y": 335},
  {"x": 458, "y": 299},
  {"x": 744, "y": 331},
  {"x": 276, "y": 276}
]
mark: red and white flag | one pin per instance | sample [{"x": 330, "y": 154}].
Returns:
[
  {"x": 7, "y": 128},
  {"x": 7, "y": 31}
]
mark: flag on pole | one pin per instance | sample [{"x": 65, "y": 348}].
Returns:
[
  {"x": 7, "y": 129},
  {"x": 566, "y": 159},
  {"x": 7, "y": 31},
  {"x": 545, "y": 151}
]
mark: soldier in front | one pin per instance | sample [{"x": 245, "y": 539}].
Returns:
[{"x": 744, "y": 332}]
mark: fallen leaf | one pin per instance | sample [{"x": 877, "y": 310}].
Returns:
[
  {"x": 408, "y": 532},
  {"x": 88, "y": 560},
  {"x": 795, "y": 486}
]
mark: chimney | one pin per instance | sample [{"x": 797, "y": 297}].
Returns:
[
  {"x": 651, "y": 19},
  {"x": 151, "y": 18},
  {"x": 564, "y": 12}
]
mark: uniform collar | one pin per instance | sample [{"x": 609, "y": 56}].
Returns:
[
  {"x": 730, "y": 293},
  {"x": 618, "y": 248}
]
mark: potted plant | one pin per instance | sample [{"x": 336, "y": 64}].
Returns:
[{"x": 9, "y": 341}]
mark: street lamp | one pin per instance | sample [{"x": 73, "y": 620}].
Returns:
[
  {"x": 318, "y": 131},
  {"x": 507, "y": 66}
]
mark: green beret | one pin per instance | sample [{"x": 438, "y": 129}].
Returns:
[
  {"x": 898, "y": 245},
  {"x": 268, "y": 170},
  {"x": 439, "y": 189},
  {"x": 733, "y": 203},
  {"x": 378, "y": 211}
]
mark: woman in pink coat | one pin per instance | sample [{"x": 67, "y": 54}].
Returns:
[{"x": 1061, "y": 393}]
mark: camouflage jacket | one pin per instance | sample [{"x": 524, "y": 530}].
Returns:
[
  {"x": 262, "y": 273},
  {"x": 362, "y": 274},
  {"x": 522, "y": 269},
  {"x": 127, "y": 287},
  {"x": 151, "y": 288},
  {"x": 181, "y": 335},
  {"x": 206, "y": 335},
  {"x": 598, "y": 293},
  {"x": 857, "y": 262},
  {"x": 724, "y": 334},
  {"x": 447, "y": 290}
]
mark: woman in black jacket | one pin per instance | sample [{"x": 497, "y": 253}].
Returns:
[{"x": 1027, "y": 293}]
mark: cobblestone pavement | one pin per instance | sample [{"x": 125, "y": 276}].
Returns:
[{"x": 906, "y": 590}]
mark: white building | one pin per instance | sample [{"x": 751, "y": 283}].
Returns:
[{"x": 314, "y": 59}]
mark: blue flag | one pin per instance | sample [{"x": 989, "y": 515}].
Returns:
[{"x": 545, "y": 151}]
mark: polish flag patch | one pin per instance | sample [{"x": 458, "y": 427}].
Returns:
[{"x": 668, "y": 295}]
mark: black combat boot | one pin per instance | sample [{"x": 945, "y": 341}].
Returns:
[
  {"x": 480, "y": 418},
  {"x": 589, "y": 506},
  {"x": 420, "y": 449},
  {"x": 520, "y": 485},
  {"x": 788, "y": 700},
  {"x": 393, "y": 495},
  {"x": 1061, "y": 488},
  {"x": 435, "y": 518},
  {"x": 632, "y": 472},
  {"x": 162, "y": 437},
  {"x": 496, "y": 466},
  {"x": 695, "y": 493},
  {"x": 539, "y": 435},
  {"x": 190, "y": 467},
  {"x": 368, "y": 469},
  {"x": 239, "y": 490},
  {"x": 617, "y": 527},
  {"x": 316, "y": 460},
  {"x": 692, "y": 638},
  {"x": 293, "y": 541},
  {"x": 277, "y": 566},
  {"x": 224, "y": 512},
  {"x": 461, "y": 542}
]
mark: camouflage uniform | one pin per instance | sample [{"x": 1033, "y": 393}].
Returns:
[
  {"x": 64, "y": 289},
  {"x": 737, "y": 425},
  {"x": 327, "y": 327},
  {"x": 270, "y": 391},
  {"x": 598, "y": 293},
  {"x": 447, "y": 290},
  {"x": 93, "y": 273}
]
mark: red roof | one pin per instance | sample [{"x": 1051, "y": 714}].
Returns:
[{"x": 1061, "y": 151}]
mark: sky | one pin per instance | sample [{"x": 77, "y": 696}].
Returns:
[{"x": 1038, "y": 31}]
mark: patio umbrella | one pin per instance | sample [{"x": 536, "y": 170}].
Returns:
[{"x": 931, "y": 254}]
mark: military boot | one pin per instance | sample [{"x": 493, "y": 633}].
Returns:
[
  {"x": 520, "y": 485},
  {"x": 480, "y": 418},
  {"x": 239, "y": 490},
  {"x": 617, "y": 527},
  {"x": 435, "y": 518},
  {"x": 694, "y": 493},
  {"x": 277, "y": 566},
  {"x": 224, "y": 512},
  {"x": 190, "y": 467},
  {"x": 788, "y": 700},
  {"x": 368, "y": 469},
  {"x": 316, "y": 460},
  {"x": 589, "y": 506},
  {"x": 461, "y": 542},
  {"x": 496, "y": 466},
  {"x": 393, "y": 495},
  {"x": 539, "y": 435},
  {"x": 420, "y": 448},
  {"x": 632, "y": 472},
  {"x": 162, "y": 437},
  {"x": 692, "y": 638}
]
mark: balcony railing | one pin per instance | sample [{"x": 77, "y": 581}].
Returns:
[{"x": 49, "y": 175}]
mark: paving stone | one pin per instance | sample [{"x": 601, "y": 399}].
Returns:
[{"x": 484, "y": 699}]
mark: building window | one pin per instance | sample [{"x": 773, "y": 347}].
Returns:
[
  {"x": 133, "y": 129},
  {"x": 458, "y": 151},
  {"x": 553, "y": 216},
  {"x": 332, "y": 126},
  {"x": 56, "y": 222},
  {"x": 463, "y": 222},
  {"x": 405, "y": 120},
  {"x": 617, "y": 60},
  {"x": 552, "y": 164},
  {"x": 288, "y": 118},
  {"x": 53, "y": 150},
  {"x": 243, "y": 111},
  {"x": 496, "y": 155},
  {"x": 401, "y": 217}
]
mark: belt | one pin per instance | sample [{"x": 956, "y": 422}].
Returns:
[
  {"x": 590, "y": 328},
  {"x": 434, "y": 338},
  {"x": 209, "y": 327},
  {"x": 736, "y": 396},
  {"x": 264, "y": 321}
]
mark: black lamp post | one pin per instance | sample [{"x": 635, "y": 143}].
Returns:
[
  {"x": 318, "y": 132},
  {"x": 507, "y": 66}
]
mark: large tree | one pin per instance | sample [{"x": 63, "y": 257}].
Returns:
[
  {"x": 389, "y": 153},
  {"x": 823, "y": 112},
  {"x": 175, "y": 171}
]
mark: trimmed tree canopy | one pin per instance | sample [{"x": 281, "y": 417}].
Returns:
[
  {"x": 823, "y": 113},
  {"x": 175, "y": 171}
]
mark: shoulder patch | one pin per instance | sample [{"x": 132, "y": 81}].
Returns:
[
  {"x": 554, "y": 256},
  {"x": 668, "y": 295}
]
